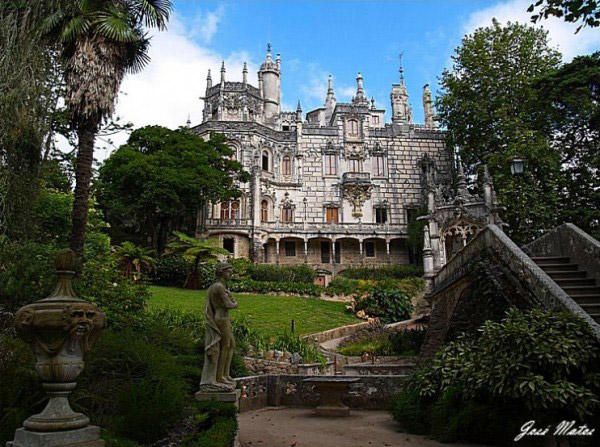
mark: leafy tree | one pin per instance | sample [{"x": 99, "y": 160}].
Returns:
[
  {"x": 198, "y": 250},
  {"x": 99, "y": 43},
  {"x": 161, "y": 178},
  {"x": 586, "y": 11},
  {"x": 488, "y": 104},
  {"x": 134, "y": 260},
  {"x": 569, "y": 98}
]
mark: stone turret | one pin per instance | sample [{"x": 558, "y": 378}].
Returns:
[
  {"x": 222, "y": 74},
  {"x": 245, "y": 74},
  {"x": 360, "y": 98},
  {"x": 330, "y": 101},
  {"x": 401, "y": 111},
  {"x": 270, "y": 73},
  {"x": 208, "y": 81}
]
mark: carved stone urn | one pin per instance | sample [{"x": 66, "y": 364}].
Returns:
[{"x": 61, "y": 329}]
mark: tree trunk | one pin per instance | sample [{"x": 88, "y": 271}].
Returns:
[{"x": 86, "y": 134}]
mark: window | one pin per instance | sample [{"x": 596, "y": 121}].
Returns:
[
  {"x": 290, "y": 248},
  {"x": 375, "y": 120},
  {"x": 380, "y": 215},
  {"x": 331, "y": 215},
  {"x": 287, "y": 215},
  {"x": 285, "y": 128},
  {"x": 338, "y": 252},
  {"x": 353, "y": 127},
  {"x": 411, "y": 214},
  {"x": 330, "y": 164},
  {"x": 230, "y": 210},
  {"x": 378, "y": 165},
  {"x": 264, "y": 211},
  {"x": 286, "y": 166},
  {"x": 325, "y": 252},
  {"x": 229, "y": 244},
  {"x": 354, "y": 165},
  {"x": 265, "y": 161},
  {"x": 370, "y": 249}
]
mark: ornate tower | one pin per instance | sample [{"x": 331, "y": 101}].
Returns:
[
  {"x": 360, "y": 98},
  {"x": 270, "y": 74},
  {"x": 401, "y": 111},
  {"x": 428, "y": 107}
]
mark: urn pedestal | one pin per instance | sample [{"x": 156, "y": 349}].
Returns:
[{"x": 61, "y": 329}]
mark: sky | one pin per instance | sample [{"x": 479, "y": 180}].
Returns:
[{"x": 315, "y": 39}]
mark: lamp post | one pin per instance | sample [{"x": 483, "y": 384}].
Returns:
[{"x": 517, "y": 168}]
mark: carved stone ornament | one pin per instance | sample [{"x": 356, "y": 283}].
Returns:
[
  {"x": 61, "y": 329},
  {"x": 357, "y": 194}
]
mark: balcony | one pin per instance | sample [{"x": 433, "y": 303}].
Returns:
[
  {"x": 228, "y": 223},
  {"x": 356, "y": 178}
]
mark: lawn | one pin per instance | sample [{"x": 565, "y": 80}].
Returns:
[{"x": 268, "y": 314}]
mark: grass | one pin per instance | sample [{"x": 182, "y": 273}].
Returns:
[{"x": 267, "y": 314}]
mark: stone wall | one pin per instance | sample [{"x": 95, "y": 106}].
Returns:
[
  {"x": 337, "y": 332},
  {"x": 369, "y": 393}
]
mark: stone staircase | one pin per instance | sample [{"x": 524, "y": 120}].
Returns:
[{"x": 574, "y": 281}]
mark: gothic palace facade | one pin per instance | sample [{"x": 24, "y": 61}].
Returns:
[{"x": 333, "y": 189}]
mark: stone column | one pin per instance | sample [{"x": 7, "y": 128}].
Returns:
[
  {"x": 387, "y": 249},
  {"x": 361, "y": 251},
  {"x": 61, "y": 329},
  {"x": 277, "y": 251},
  {"x": 305, "y": 251}
]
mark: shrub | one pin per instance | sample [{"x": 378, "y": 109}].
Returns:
[
  {"x": 531, "y": 365},
  {"x": 407, "y": 342},
  {"x": 389, "y": 305},
  {"x": 410, "y": 410},
  {"x": 216, "y": 423},
  {"x": 171, "y": 271},
  {"x": 242, "y": 268},
  {"x": 342, "y": 286},
  {"x": 297, "y": 288},
  {"x": 293, "y": 343},
  {"x": 274, "y": 273},
  {"x": 384, "y": 272}
]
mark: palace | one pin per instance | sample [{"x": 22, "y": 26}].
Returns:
[{"x": 333, "y": 189}]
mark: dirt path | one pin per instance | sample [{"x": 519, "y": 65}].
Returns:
[{"x": 298, "y": 427}]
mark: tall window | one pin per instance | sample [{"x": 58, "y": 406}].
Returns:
[
  {"x": 353, "y": 127},
  {"x": 230, "y": 210},
  {"x": 330, "y": 164},
  {"x": 286, "y": 166},
  {"x": 265, "y": 160},
  {"x": 290, "y": 248},
  {"x": 338, "y": 252},
  {"x": 378, "y": 165},
  {"x": 331, "y": 215},
  {"x": 287, "y": 215},
  {"x": 354, "y": 165},
  {"x": 229, "y": 244},
  {"x": 380, "y": 215},
  {"x": 264, "y": 211},
  {"x": 375, "y": 120}
]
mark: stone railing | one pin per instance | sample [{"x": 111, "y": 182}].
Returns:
[
  {"x": 339, "y": 227},
  {"x": 228, "y": 223},
  {"x": 570, "y": 241},
  {"x": 544, "y": 290},
  {"x": 356, "y": 177}
]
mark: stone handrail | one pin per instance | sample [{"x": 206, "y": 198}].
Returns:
[
  {"x": 545, "y": 291},
  {"x": 570, "y": 241}
]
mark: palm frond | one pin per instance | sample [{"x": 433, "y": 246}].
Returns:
[
  {"x": 74, "y": 28},
  {"x": 113, "y": 25},
  {"x": 153, "y": 13}
]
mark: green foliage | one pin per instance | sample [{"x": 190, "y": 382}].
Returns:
[
  {"x": 410, "y": 410},
  {"x": 134, "y": 260},
  {"x": 378, "y": 345},
  {"x": 407, "y": 342},
  {"x": 297, "y": 288},
  {"x": 384, "y": 272},
  {"x": 531, "y": 365},
  {"x": 274, "y": 273},
  {"x": 161, "y": 177},
  {"x": 585, "y": 11},
  {"x": 389, "y": 305},
  {"x": 377, "y": 340},
  {"x": 294, "y": 343},
  {"x": 171, "y": 271},
  {"x": 490, "y": 108},
  {"x": 219, "y": 418}
]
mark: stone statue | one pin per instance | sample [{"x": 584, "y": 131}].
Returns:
[{"x": 219, "y": 344}]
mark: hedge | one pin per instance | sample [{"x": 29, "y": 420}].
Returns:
[
  {"x": 381, "y": 273},
  {"x": 297, "y": 288}
]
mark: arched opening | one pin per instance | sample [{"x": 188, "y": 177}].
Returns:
[
  {"x": 353, "y": 127},
  {"x": 264, "y": 211},
  {"x": 286, "y": 166},
  {"x": 265, "y": 161},
  {"x": 230, "y": 210}
]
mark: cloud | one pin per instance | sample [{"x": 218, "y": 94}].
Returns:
[
  {"x": 167, "y": 91},
  {"x": 206, "y": 24},
  {"x": 561, "y": 34}
]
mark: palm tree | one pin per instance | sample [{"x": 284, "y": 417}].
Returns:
[
  {"x": 197, "y": 250},
  {"x": 99, "y": 42},
  {"x": 134, "y": 260}
]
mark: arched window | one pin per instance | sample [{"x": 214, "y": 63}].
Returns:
[
  {"x": 264, "y": 211},
  {"x": 230, "y": 210},
  {"x": 286, "y": 166},
  {"x": 265, "y": 160},
  {"x": 353, "y": 127},
  {"x": 287, "y": 215}
]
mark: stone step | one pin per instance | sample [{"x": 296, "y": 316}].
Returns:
[
  {"x": 593, "y": 308},
  {"x": 586, "y": 299},
  {"x": 545, "y": 260},
  {"x": 548, "y": 268},
  {"x": 596, "y": 317},
  {"x": 582, "y": 290},
  {"x": 571, "y": 282},
  {"x": 559, "y": 274}
]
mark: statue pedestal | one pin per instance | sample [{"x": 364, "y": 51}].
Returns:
[
  {"x": 220, "y": 396},
  {"x": 81, "y": 437}
]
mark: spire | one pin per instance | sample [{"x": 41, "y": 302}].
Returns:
[
  {"x": 278, "y": 61},
  {"x": 245, "y": 74},
  {"x": 487, "y": 179},
  {"x": 401, "y": 111},
  {"x": 299, "y": 112},
  {"x": 428, "y": 107},
  {"x": 223, "y": 72},
  {"x": 461, "y": 182},
  {"x": 360, "y": 97},
  {"x": 372, "y": 103},
  {"x": 401, "y": 69},
  {"x": 188, "y": 123}
]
